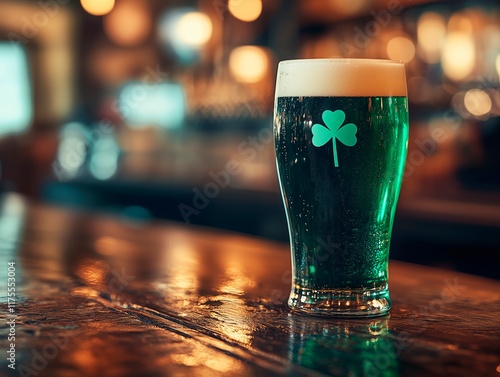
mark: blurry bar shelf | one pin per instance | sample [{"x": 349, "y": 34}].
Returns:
[
  {"x": 462, "y": 209},
  {"x": 453, "y": 211},
  {"x": 321, "y": 11},
  {"x": 460, "y": 235}
]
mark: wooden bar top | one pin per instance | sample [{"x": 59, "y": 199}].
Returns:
[{"x": 104, "y": 296}]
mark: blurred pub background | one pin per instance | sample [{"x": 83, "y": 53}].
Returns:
[{"x": 156, "y": 109}]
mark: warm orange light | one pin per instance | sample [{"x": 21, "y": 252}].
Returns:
[
  {"x": 98, "y": 7},
  {"x": 497, "y": 65},
  {"x": 460, "y": 22},
  {"x": 477, "y": 102},
  {"x": 349, "y": 6},
  {"x": 110, "y": 246},
  {"x": 401, "y": 48},
  {"x": 431, "y": 30},
  {"x": 248, "y": 64},
  {"x": 193, "y": 29},
  {"x": 92, "y": 272},
  {"x": 245, "y": 10},
  {"x": 458, "y": 55},
  {"x": 129, "y": 23}
]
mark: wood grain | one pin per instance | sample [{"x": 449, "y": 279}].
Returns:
[{"x": 103, "y": 297}]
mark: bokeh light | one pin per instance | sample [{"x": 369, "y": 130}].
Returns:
[
  {"x": 161, "y": 104},
  {"x": 401, "y": 48},
  {"x": 129, "y": 23},
  {"x": 183, "y": 33},
  {"x": 16, "y": 106},
  {"x": 248, "y": 64},
  {"x": 458, "y": 55},
  {"x": 477, "y": 102},
  {"x": 104, "y": 159},
  {"x": 460, "y": 22},
  {"x": 245, "y": 10},
  {"x": 349, "y": 7},
  {"x": 431, "y": 30},
  {"x": 98, "y": 7},
  {"x": 457, "y": 102},
  {"x": 193, "y": 29},
  {"x": 72, "y": 151},
  {"x": 497, "y": 65}
]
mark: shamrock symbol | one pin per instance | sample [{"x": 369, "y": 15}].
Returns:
[{"x": 332, "y": 130}]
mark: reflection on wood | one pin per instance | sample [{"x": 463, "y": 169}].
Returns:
[{"x": 99, "y": 297}]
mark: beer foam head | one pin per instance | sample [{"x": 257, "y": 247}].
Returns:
[{"x": 340, "y": 77}]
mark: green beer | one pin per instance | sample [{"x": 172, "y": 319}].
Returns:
[
  {"x": 343, "y": 348},
  {"x": 341, "y": 132}
]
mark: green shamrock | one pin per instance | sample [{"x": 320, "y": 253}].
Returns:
[{"x": 332, "y": 130}]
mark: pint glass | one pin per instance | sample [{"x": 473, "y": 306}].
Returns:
[{"x": 341, "y": 134}]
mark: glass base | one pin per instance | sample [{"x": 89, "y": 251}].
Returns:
[{"x": 367, "y": 302}]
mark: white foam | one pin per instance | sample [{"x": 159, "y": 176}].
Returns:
[{"x": 340, "y": 77}]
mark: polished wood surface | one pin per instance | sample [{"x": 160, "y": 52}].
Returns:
[{"x": 104, "y": 296}]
